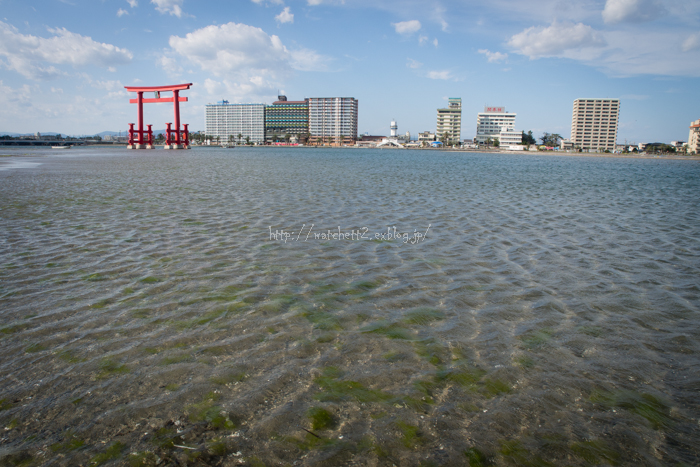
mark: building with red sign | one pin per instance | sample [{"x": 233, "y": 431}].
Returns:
[{"x": 494, "y": 123}]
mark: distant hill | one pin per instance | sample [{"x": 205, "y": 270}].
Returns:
[{"x": 101, "y": 134}]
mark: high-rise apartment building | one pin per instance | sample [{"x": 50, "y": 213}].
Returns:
[
  {"x": 594, "y": 124},
  {"x": 449, "y": 121},
  {"x": 333, "y": 120},
  {"x": 226, "y": 121},
  {"x": 694, "y": 138},
  {"x": 494, "y": 123},
  {"x": 285, "y": 117}
]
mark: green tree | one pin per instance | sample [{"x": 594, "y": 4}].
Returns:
[
  {"x": 528, "y": 139},
  {"x": 239, "y": 138},
  {"x": 287, "y": 137},
  {"x": 247, "y": 140}
]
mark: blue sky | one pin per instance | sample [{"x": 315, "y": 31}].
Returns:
[{"x": 64, "y": 63}]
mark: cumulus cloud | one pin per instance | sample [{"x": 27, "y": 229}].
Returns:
[
  {"x": 556, "y": 39},
  {"x": 439, "y": 75},
  {"x": 407, "y": 27},
  {"x": 169, "y": 64},
  {"x": 234, "y": 48},
  {"x": 435, "y": 42},
  {"x": 174, "y": 7},
  {"x": 493, "y": 57},
  {"x": 633, "y": 11},
  {"x": 422, "y": 39},
  {"x": 122, "y": 12},
  {"x": 691, "y": 43},
  {"x": 250, "y": 60},
  {"x": 114, "y": 88},
  {"x": 133, "y": 3},
  {"x": 285, "y": 16},
  {"x": 34, "y": 56}
]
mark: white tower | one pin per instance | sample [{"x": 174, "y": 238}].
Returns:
[{"x": 394, "y": 129}]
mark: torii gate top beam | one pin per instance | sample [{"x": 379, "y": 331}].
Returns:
[{"x": 175, "y": 87}]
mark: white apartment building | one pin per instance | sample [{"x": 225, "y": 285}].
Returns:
[
  {"x": 509, "y": 137},
  {"x": 594, "y": 124},
  {"x": 694, "y": 138},
  {"x": 494, "y": 121},
  {"x": 426, "y": 137},
  {"x": 449, "y": 121},
  {"x": 333, "y": 119},
  {"x": 224, "y": 120}
]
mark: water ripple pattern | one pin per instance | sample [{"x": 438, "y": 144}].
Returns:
[{"x": 152, "y": 313}]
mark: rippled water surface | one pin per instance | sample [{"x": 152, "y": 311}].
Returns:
[{"x": 151, "y": 310}]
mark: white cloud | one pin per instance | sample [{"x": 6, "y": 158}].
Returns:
[
  {"x": 691, "y": 43},
  {"x": 407, "y": 27},
  {"x": 439, "y": 75},
  {"x": 169, "y": 64},
  {"x": 285, "y": 16},
  {"x": 276, "y": 2},
  {"x": 435, "y": 42},
  {"x": 493, "y": 57},
  {"x": 422, "y": 39},
  {"x": 174, "y": 7},
  {"x": 319, "y": 2},
  {"x": 413, "y": 63},
  {"x": 122, "y": 12},
  {"x": 115, "y": 89},
  {"x": 29, "y": 55},
  {"x": 556, "y": 39},
  {"x": 307, "y": 60},
  {"x": 133, "y": 3},
  {"x": 250, "y": 60},
  {"x": 633, "y": 11}
]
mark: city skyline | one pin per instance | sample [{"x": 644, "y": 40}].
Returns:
[{"x": 64, "y": 63}]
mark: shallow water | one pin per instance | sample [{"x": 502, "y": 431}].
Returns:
[{"x": 151, "y": 308}]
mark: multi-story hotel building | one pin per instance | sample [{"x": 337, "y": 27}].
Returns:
[
  {"x": 594, "y": 124},
  {"x": 224, "y": 120},
  {"x": 694, "y": 138},
  {"x": 449, "y": 121},
  {"x": 333, "y": 120},
  {"x": 285, "y": 117},
  {"x": 494, "y": 123}
]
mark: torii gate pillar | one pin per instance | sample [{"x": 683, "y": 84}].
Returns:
[{"x": 175, "y": 139}]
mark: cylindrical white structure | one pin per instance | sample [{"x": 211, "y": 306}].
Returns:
[{"x": 394, "y": 129}]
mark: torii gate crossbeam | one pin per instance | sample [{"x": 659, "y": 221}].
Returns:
[{"x": 175, "y": 139}]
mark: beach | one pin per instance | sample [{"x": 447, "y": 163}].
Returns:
[{"x": 270, "y": 306}]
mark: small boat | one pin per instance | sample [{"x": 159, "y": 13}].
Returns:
[{"x": 60, "y": 147}]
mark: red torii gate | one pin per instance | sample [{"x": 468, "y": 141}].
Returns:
[{"x": 140, "y": 139}]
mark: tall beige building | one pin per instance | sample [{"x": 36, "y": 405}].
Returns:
[
  {"x": 694, "y": 138},
  {"x": 594, "y": 124},
  {"x": 449, "y": 121},
  {"x": 333, "y": 120}
]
